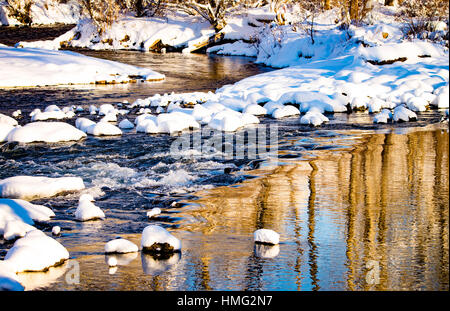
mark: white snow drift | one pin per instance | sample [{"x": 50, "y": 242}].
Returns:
[{"x": 27, "y": 187}]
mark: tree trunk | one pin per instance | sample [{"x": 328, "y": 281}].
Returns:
[{"x": 354, "y": 10}]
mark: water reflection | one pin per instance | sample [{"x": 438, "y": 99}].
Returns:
[
  {"x": 385, "y": 202},
  {"x": 372, "y": 215}
]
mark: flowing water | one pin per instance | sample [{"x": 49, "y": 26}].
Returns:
[{"x": 358, "y": 206}]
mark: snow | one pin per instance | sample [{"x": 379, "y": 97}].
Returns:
[
  {"x": 383, "y": 117},
  {"x": 153, "y": 237},
  {"x": 49, "y": 132},
  {"x": 285, "y": 111},
  {"x": 27, "y": 187},
  {"x": 35, "y": 252},
  {"x": 102, "y": 128},
  {"x": 45, "y": 12},
  {"x": 120, "y": 246},
  {"x": 255, "y": 109},
  {"x": 403, "y": 114},
  {"x": 8, "y": 278},
  {"x": 17, "y": 217},
  {"x": 86, "y": 210},
  {"x": 4, "y": 119},
  {"x": 125, "y": 124},
  {"x": 266, "y": 236},
  {"x": 40, "y": 67},
  {"x": 46, "y": 115},
  {"x": 175, "y": 121},
  {"x": 128, "y": 32},
  {"x": 153, "y": 212},
  {"x": 56, "y": 230},
  {"x": 5, "y": 129},
  {"x": 313, "y": 117}
]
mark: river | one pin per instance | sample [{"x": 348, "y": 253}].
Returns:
[{"x": 358, "y": 206}]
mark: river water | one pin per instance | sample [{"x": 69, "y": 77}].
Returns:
[{"x": 358, "y": 206}]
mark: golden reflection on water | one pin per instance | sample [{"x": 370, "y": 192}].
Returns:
[
  {"x": 372, "y": 217},
  {"x": 385, "y": 204}
]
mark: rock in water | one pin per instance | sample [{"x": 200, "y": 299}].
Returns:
[
  {"x": 153, "y": 212},
  {"x": 266, "y": 236},
  {"x": 86, "y": 210},
  {"x": 120, "y": 246},
  {"x": 35, "y": 252},
  {"x": 156, "y": 239}
]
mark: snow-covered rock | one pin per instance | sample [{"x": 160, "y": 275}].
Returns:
[
  {"x": 255, "y": 109},
  {"x": 4, "y": 119},
  {"x": 5, "y": 129},
  {"x": 104, "y": 129},
  {"x": 35, "y": 252},
  {"x": 286, "y": 111},
  {"x": 383, "y": 117},
  {"x": 8, "y": 278},
  {"x": 56, "y": 230},
  {"x": 153, "y": 212},
  {"x": 125, "y": 124},
  {"x": 313, "y": 117},
  {"x": 266, "y": 236},
  {"x": 86, "y": 210},
  {"x": 120, "y": 246},
  {"x": 417, "y": 104},
  {"x": 27, "y": 187},
  {"x": 49, "y": 132},
  {"x": 157, "y": 239},
  {"x": 403, "y": 114}
]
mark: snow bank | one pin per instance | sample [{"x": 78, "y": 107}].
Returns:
[
  {"x": 8, "y": 278},
  {"x": 18, "y": 216},
  {"x": 120, "y": 246},
  {"x": 129, "y": 32},
  {"x": 39, "y": 67},
  {"x": 157, "y": 239},
  {"x": 45, "y": 12},
  {"x": 48, "y": 132},
  {"x": 28, "y": 187},
  {"x": 35, "y": 252}
]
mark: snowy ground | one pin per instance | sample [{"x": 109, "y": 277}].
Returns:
[
  {"x": 369, "y": 68},
  {"x": 45, "y": 12},
  {"x": 39, "y": 67}
]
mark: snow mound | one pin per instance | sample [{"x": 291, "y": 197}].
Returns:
[
  {"x": 120, "y": 246},
  {"x": 399, "y": 51},
  {"x": 28, "y": 187},
  {"x": 4, "y": 119},
  {"x": 86, "y": 210},
  {"x": 403, "y": 114},
  {"x": 5, "y": 129},
  {"x": 153, "y": 212},
  {"x": 125, "y": 124},
  {"x": 49, "y": 132},
  {"x": 266, "y": 236},
  {"x": 157, "y": 239},
  {"x": 18, "y": 216},
  {"x": 8, "y": 278},
  {"x": 35, "y": 252}
]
